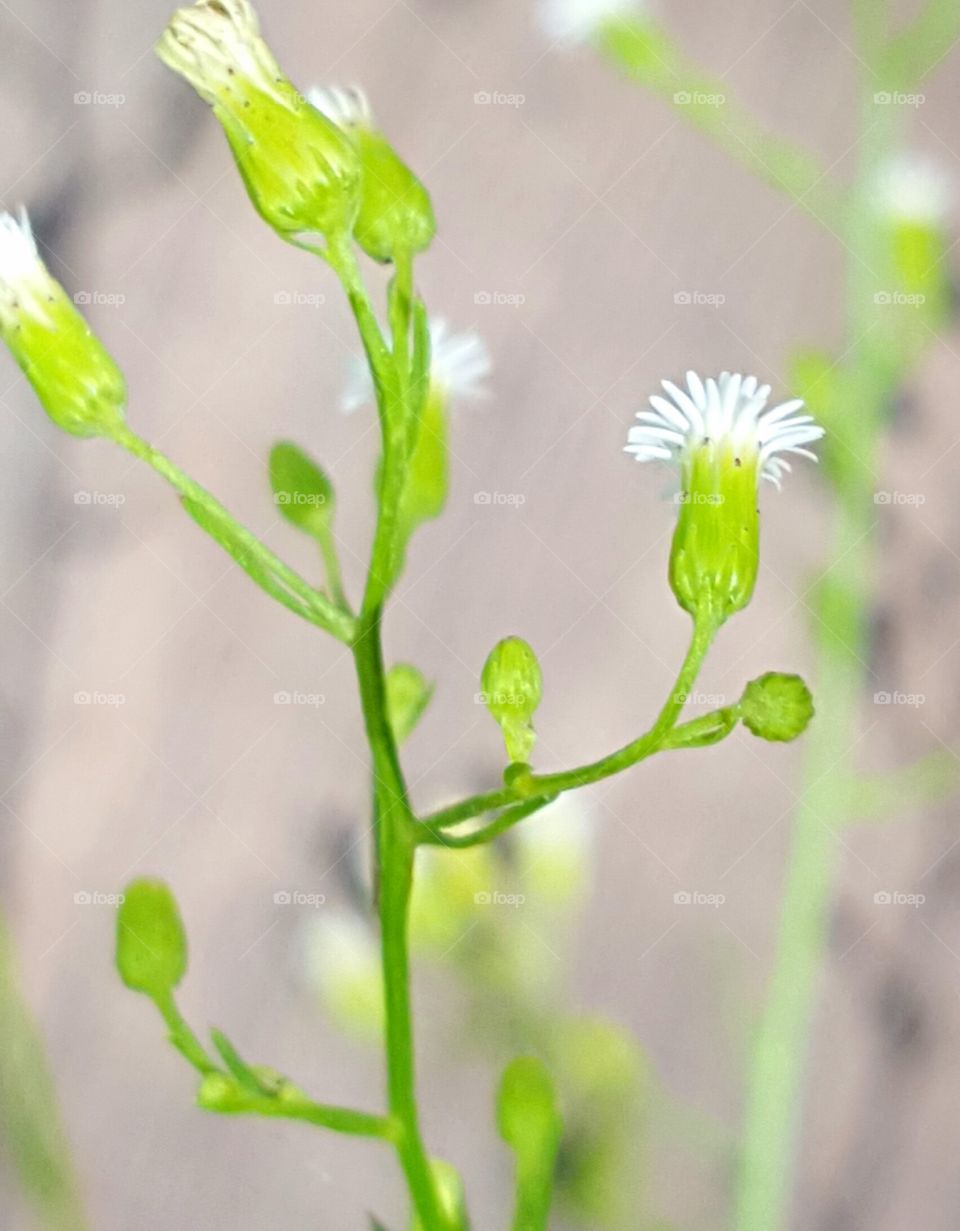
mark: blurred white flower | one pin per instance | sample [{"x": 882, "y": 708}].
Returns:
[
  {"x": 24, "y": 280},
  {"x": 459, "y": 365},
  {"x": 915, "y": 188},
  {"x": 342, "y": 961},
  {"x": 345, "y": 106},
  {"x": 575, "y": 21},
  {"x": 554, "y": 849}
]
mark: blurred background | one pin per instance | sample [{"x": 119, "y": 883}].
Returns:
[{"x": 160, "y": 715}]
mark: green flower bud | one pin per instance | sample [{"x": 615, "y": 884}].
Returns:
[
  {"x": 78, "y": 384},
  {"x": 395, "y": 210},
  {"x": 408, "y": 695},
  {"x": 776, "y": 706},
  {"x": 151, "y": 942},
  {"x": 301, "y": 490},
  {"x": 527, "y": 1115},
  {"x": 512, "y": 687},
  {"x": 301, "y": 172}
]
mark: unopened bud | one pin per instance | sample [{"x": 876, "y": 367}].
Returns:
[
  {"x": 78, "y": 384},
  {"x": 301, "y": 171},
  {"x": 776, "y": 706},
  {"x": 512, "y": 687},
  {"x": 151, "y": 942},
  {"x": 395, "y": 210}
]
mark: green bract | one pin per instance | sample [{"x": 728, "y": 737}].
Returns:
[
  {"x": 512, "y": 687},
  {"x": 716, "y": 545},
  {"x": 151, "y": 942},
  {"x": 776, "y": 706}
]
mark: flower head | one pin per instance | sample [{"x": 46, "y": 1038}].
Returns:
[
  {"x": 395, "y": 211},
  {"x": 576, "y": 21},
  {"x": 78, "y": 384},
  {"x": 730, "y": 413},
  {"x": 459, "y": 365},
  {"x": 300, "y": 170},
  {"x": 725, "y": 440}
]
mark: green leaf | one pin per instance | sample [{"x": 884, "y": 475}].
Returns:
[
  {"x": 151, "y": 941},
  {"x": 408, "y": 695},
  {"x": 301, "y": 490}
]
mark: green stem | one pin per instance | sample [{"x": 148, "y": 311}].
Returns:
[
  {"x": 33, "y": 1136},
  {"x": 647, "y": 53},
  {"x": 278, "y": 578},
  {"x": 545, "y": 786},
  {"x": 183, "y": 1037},
  {"x": 827, "y": 803},
  {"x": 395, "y": 860}
]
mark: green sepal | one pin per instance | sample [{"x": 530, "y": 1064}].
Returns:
[{"x": 396, "y": 214}]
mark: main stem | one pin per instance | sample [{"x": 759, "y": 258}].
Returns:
[{"x": 395, "y": 849}]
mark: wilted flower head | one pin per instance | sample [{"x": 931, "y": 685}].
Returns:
[
  {"x": 301, "y": 172},
  {"x": 77, "y": 382},
  {"x": 459, "y": 365},
  {"x": 576, "y": 21},
  {"x": 725, "y": 440}
]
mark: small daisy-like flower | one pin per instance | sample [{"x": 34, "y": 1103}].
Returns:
[
  {"x": 300, "y": 170},
  {"x": 728, "y": 411},
  {"x": 913, "y": 188},
  {"x": 78, "y": 384},
  {"x": 576, "y": 21},
  {"x": 725, "y": 439},
  {"x": 459, "y": 365}
]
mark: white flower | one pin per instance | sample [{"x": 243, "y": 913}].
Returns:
[
  {"x": 215, "y": 42},
  {"x": 914, "y": 188},
  {"x": 24, "y": 281},
  {"x": 576, "y": 21},
  {"x": 345, "y": 106},
  {"x": 731, "y": 409},
  {"x": 459, "y": 365}
]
